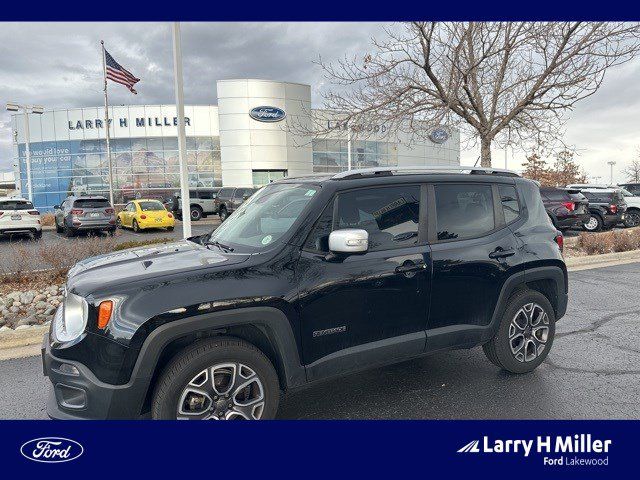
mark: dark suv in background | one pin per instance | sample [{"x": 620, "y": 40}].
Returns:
[
  {"x": 310, "y": 278},
  {"x": 606, "y": 208},
  {"x": 230, "y": 198},
  {"x": 567, "y": 208},
  {"x": 84, "y": 213}
]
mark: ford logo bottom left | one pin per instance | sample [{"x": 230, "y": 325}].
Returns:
[{"x": 51, "y": 450}]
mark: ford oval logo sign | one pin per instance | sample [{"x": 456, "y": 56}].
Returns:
[
  {"x": 51, "y": 450},
  {"x": 267, "y": 114},
  {"x": 439, "y": 135}
]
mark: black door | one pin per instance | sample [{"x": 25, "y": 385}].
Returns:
[
  {"x": 474, "y": 251},
  {"x": 366, "y": 308}
]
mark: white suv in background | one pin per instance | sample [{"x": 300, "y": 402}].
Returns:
[
  {"x": 632, "y": 214},
  {"x": 17, "y": 215}
]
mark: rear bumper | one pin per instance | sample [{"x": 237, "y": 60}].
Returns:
[
  {"x": 572, "y": 221},
  {"x": 26, "y": 229},
  {"x": 82, "y": 396},
  {"x": 612, "y": 220}
]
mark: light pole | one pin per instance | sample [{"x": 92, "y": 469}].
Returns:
[
  {"x": 26, "y": 109},
  {"x": 182, "y": 140},
  {"x": 611, "y": 163}
]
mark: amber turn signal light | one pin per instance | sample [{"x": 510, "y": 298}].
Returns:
[{"x": 104, "y": 313}]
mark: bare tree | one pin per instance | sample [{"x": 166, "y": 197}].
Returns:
[
  {"x": 510, "y": 82},
  {"x": 633, "y": 171}
]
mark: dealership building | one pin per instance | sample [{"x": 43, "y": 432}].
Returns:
[{"x": 258, "y": 132}]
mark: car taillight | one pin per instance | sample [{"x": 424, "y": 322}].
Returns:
[
  {"x": 76, "y": 211},
  {"x": 559, "y": 239},
  {"x": 143, "y": 217},
  {"x": 34, "y": 212},
  {"x": 613, "y": 208},
  {"x": 569, "y": 206},
  {"x": 169, "y": 215},
  {"x": 109, "y": 211}
]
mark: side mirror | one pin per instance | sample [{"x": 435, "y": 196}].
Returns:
[
  {"x": 56, "y": 207},
  {"x": 349, "y": 240},
  {"x": 244, "y": 197}
]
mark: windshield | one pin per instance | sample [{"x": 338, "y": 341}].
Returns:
[
  {"x": 150, "y": 206},
  {"x": 265, "y": 217}
]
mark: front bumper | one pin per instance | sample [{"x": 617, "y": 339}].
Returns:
[{"x": 79, "y": 395}]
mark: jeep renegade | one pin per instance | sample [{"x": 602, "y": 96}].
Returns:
[{"x": 310, "y": 278}]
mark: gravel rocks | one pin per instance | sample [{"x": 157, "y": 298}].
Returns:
[{"x": 22, "y": 309}]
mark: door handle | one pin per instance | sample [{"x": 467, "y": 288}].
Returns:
[
  {"x": 410, "y": 267},
  {"x": 500, "y": 252}
]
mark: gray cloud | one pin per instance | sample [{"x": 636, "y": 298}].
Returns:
[{"x": 58, "y": 65}]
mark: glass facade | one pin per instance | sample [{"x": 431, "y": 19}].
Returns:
[
  {"x": 330, "y": 156},
  {"x": 143, "y": 167}
]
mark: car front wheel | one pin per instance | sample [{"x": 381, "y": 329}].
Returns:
[
  {"x": 525, "y": 334},
  {"x": 221, "y": 378}
]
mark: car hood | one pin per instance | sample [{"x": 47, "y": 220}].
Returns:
[{"x": 145, "y": 263}]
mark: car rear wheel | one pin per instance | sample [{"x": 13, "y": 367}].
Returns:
[
  {"x": 135, "y": 226},
  {"x": 632, "y": 218},
  {"x": 525, "y": 334},
  {"x": 118, "y": 222},
  {"x": 59, "y": 229},
  {"x": 169, "y": 229},
  {"x": 594, "y": 224},
  {"x": 221, "y": 378},
  {"x": 196, "y": 213},
  {"x": 223, "y": 214},
  {"x": 37, "y": 235}
]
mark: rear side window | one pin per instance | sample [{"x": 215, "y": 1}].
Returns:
[
  {"x": 554, "y": 195},
  {"x": 15, "y": 205},
  {"x": 463, "y": 211},
  {"x": 509, "y": 199},
  {"x": 150, "y": 206},
  {"x": 241, "y": 192},
  {"x": 225, "y": 193},
  {"x": 389, "y": 214},
  {"x": 91, "y": 203}
]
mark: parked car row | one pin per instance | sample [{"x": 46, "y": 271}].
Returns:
[
  {"x": 591, "y": 207},
  {"x": 221, "y": 201}
]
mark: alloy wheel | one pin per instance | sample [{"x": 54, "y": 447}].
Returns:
[
  {"x": 632, "y": 219},
  {"x": 225, "y": 391},
  {"x": 592, "y": 224},
  {"x": 529, "y": 332}
]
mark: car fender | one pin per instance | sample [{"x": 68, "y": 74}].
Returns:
[{"x": 271, "y": 321}]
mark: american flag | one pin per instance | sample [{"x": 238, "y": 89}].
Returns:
[{"x": 118, "y": 74}]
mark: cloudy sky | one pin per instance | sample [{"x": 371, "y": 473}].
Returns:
[{"x": 59, "y": 65}]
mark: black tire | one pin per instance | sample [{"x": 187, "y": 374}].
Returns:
[
  {"x": 223, "y": 214},
  {"x": 69, "y": 232},
  {"x": 597, "y": 222},
  {"x": 196, "y": 214},
  {"x": 37, "y": 235},
  {"x": 111, "y": 232},
  {"x": 135, "y": 226},
  {"x": 118, "y": 223},
  {"x": 59, "y": 229},
  {"x": 632, "y": 218},
  {"x": 203, "y": 355},
  {"x": 169, "y": 229},
  {"x": 498, "y": 349}
]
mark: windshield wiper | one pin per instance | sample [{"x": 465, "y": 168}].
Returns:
[{"x": 221, "y": 246}]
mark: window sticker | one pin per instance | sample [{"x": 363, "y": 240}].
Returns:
[{"x": 267, "y": 240}]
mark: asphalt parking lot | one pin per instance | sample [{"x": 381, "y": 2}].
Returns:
[{"x": 592, "y": 372}]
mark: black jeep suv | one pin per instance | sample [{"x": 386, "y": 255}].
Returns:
[{"x": 310, "y": 278}]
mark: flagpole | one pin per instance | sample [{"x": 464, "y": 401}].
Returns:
[
  {"x": 182, "y": 143},
  {"x": 106, "y": 123}
]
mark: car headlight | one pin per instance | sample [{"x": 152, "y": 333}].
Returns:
[{"x": 71, "y": 318}]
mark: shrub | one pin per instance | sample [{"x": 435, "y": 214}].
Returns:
[
  {"x": 141, "y": 243},
  {"x": 48, "y": 219},
  {"x": 608, "y": 242}
]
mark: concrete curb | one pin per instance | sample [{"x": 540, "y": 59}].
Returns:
[
  {"x": 26, "y": 342},
  {"x": 22, "y": 343},
  {"x": 575, "y": 264}
]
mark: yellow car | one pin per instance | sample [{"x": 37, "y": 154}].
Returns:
[{"x": 143, "y": 214}]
